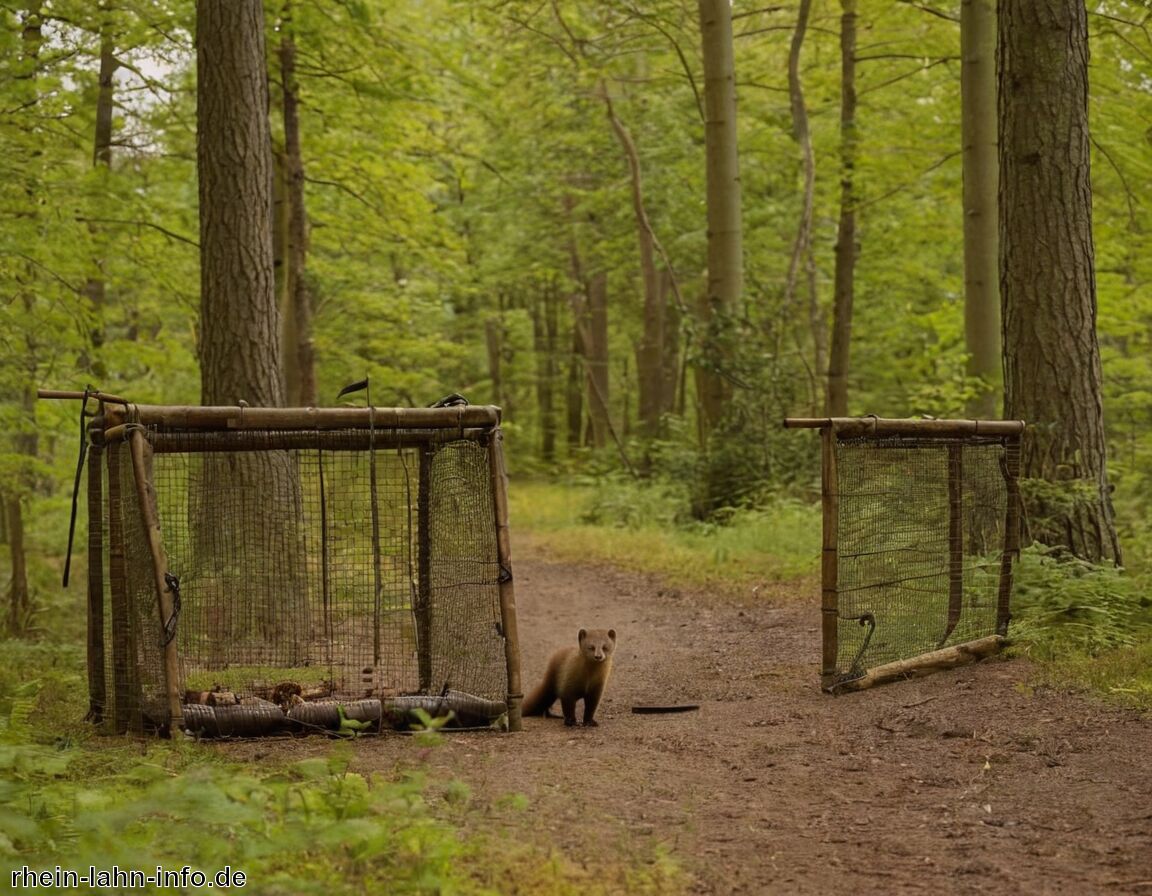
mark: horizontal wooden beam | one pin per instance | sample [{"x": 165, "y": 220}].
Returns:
[
  {"x": 164, "y": 417},
  {"x": 847, "y": 427}
]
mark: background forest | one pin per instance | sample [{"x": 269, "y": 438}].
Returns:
[
  {"x": 510, "y": 200},
  {"x": 507, "y": 200}
]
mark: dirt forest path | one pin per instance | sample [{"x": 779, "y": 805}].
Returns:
[{"x": 966, "y": 781}]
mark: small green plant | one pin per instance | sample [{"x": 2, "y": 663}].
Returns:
[{"x": 1063, "y": 605}]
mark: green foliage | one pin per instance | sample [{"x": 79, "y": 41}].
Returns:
[
  {"x": 647, "y": 525},
  {"x": 1064, "y": 605}
]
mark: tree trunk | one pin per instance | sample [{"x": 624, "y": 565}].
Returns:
[
  {"x": 19, "y": 595},
  {"x": 981, "y": 236},
  {"x": 239, "y": 319},
  {"x": 802, "y": 258},
  {"x": 299, "y": 353},
  {"x": 494, "y": 341},
  {"x": 545, "y": 326},
  {"x": 725, "y": 240},
  {"x": 650, "y": 352},
  {"x": 95, "y": 288},
  {"x": 846, "y": 248},
  {"x": 1052, "y": 373},
  {"x": 247, "y": 504},
  {"x": 596, "y": 358}
]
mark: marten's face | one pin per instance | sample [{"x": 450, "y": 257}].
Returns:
[{"x": 597, "y": 644}]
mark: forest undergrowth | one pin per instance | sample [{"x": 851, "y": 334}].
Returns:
[{"x": 70, "y": 798}]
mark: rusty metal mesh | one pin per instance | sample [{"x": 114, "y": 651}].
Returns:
[
  {"x": 920, "y": 543},
  {"x": 349, "y": 572}
]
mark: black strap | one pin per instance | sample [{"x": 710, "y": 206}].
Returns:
[{"x": 76, "y": 483}]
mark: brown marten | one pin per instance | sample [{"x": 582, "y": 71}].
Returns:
[{"x": 575, "y": 673}]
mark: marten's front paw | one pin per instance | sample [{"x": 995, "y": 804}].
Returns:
[
  {"x": 570, "y": 722},
  {"x": 591, "y": 723}
]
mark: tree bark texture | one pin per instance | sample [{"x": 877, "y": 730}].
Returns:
[
  {"x": 239, "y": 318},
  {"x": 725, "y": 235},
  {"x": 246, "y": 506},
  {"x": 846, "y": 248},
  {"x": 978, "y": 129},
  {"x": 1052, "y": 373}
]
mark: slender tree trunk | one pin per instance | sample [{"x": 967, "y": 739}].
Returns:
[
  {"x": 650, "y": 352},
  {"x": 95, "y": 288},
  {"x": 545, "y": 327},
  {"x": 981, "y": 229},
  {"x": 299, "y": 353},
  {"x": 23, "y": 436},
  {"x": 1052, "y": 372},
  {"x": 802, "y": 259},
  {"x": 494, "y": 341},
  {"x": 596, "y": 358},
  {"x": 846, "y": 247},
  {"x": 725, "y": 237},
  {"x": 574, "y": 391},
  {"x": 19, "y": 595}
]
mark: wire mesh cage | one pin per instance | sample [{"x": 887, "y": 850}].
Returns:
[
  {"x": 921, "y": 527},
  {"x": 257, "y": 570}
]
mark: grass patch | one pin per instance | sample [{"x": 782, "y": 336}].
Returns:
[
  {"x": 641, "y": 526},
  {"x": 72, "y": 799}
]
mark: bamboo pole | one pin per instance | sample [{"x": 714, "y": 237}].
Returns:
[
  {"x": 66, "y": 394},
  {"x": 422, "y": 611},
  {"x": 146, "y": 495},
  {"x": 507, "y": 593},
  {"x": 458, "y": 417},
  {"x": 866, "y": 426},
  {"x": 207, "y": 441},
  {"x": 955, "y": 539},
  {"x": 377, "y": 560},
  {"x": 1011, "y": 471},
  {"x": 829, "y": 563},
  {"x": 97, "y": 681},
  {"x": 125, "y": 700},
  {"x": 945, "y": 658}
]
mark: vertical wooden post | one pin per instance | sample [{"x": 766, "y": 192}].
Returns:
[
  {"x": 423, "y": 608},
  {"x": 955, "y": 539},
  {"x": 149, "y": 515},
  {"x": 377, "y": 573},
  {"x": 507, "y": 593},
  {"x": 97, "y": 683},
  {"x": 1011, "y": 470},
  {"x": 125, "y": 695},
  {"x": 829, "y": 565}
]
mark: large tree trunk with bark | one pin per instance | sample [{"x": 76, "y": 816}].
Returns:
[
  {"x": 247, "y": 505},
  {"x": 981, "y": 229},
  {"x": 1052, "y": 372},
  {"x": 239, "y": 319}
]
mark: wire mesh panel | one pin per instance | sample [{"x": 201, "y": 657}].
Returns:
[
  {"x": 920, "y": 532},
  {"x": 304, "y": 565}
]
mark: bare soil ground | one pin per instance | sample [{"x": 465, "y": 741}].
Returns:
[{"x": 965, "y": 781}]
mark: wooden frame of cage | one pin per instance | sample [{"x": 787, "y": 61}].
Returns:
[
  {"x": 835, "y": 428},
  {"x": 227, "y": 429}
]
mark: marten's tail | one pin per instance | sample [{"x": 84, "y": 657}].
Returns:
[{"x": 538, "y": 701}]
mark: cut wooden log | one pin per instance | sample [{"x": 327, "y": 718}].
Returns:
[{"x": 945, "y": 658}]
